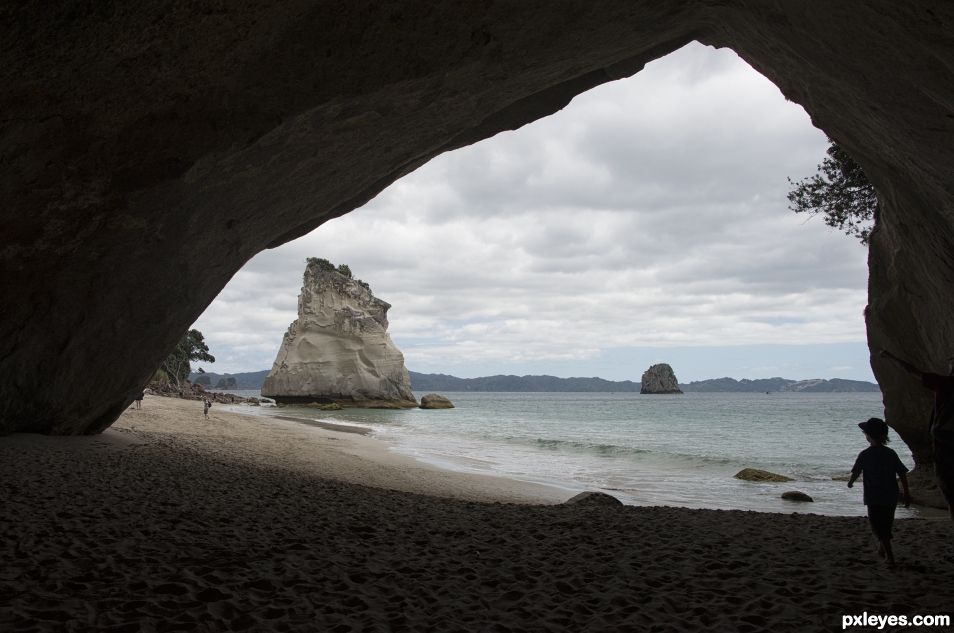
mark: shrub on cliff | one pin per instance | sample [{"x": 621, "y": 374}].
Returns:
[
  {"x": 840, "y": 192},
  {"x": 324, "y": 266}
]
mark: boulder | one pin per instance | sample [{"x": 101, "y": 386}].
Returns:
[
  {"x": 754, "y": 474},
  {"x": 590, "y": 498},
  {"x": 796, "y": 495},
  {"x": 435, "y": 401},
  {"x": 659, "y": 379},
  {"x": 338, "y": 349},
  {"x": 325, "y": 406}
]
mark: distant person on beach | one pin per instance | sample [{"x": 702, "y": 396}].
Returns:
[
  {"x": 942, "y": 422},
  {"x": 881, "y": 468},
  {"x": 207, "y": 404},
  {"x": 139, "y": 397}
]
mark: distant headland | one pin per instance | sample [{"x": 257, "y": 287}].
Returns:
[{"x": 444, "y": 382}]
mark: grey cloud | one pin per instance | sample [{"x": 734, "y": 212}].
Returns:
[{"x": 648, "y": 212}]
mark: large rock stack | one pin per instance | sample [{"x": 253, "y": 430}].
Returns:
[
  {"x": 659, "y": 379},
  {"x": 338, "y": 349}
]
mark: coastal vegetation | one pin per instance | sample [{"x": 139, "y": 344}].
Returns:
[
  {"x": 840, "y": 192},
  {"x": 323, "y": 265},
  {"x": 225, "y": 382},
  {"x": 177, "y": 366},
  {"x": 243, "y": 380}
]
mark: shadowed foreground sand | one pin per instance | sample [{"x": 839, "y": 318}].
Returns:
[{"x": 169, "y": 522}]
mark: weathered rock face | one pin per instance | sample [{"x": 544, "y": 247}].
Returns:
[
  {"x": 338, "y": 349},
  {"x": 436, "y": 401},
  {"x": 659, "y": 379},
  {"x": 150, "y": 149}
]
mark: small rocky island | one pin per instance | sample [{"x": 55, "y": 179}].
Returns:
[
  {"x": 436, "y": 401},
  {"x": 338, "y": 349},
  {"x": 659, "y": 379}
]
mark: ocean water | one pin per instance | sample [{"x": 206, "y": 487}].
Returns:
[{"x": 679, "y": 450}]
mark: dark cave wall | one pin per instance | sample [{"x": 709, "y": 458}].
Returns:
[{"x": 149, "y": 151}]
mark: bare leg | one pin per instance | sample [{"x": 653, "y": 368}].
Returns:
[{"x": 888, "y": 553}]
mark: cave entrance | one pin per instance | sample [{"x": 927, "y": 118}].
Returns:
[{"x": 646, "y": 222}]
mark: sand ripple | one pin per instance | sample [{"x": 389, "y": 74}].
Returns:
[{"x": 174, "y": 532}]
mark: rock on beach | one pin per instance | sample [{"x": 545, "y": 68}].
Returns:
[
  {"x": 797, "y": 495},
  {"x": 755, "y": 474},
  {"x": 592, "y": 498},
  {"x": 436, "y": 401}
]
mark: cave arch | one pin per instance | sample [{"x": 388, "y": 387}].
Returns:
[{"x": 150, "y": 151}]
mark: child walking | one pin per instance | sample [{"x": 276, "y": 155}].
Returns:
[{"x": 882, "y": 468}]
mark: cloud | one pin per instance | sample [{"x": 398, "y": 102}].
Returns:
[{"x": 650, "y": 213}]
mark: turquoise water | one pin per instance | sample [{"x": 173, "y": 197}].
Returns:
[{"x": 646, "y": 450}]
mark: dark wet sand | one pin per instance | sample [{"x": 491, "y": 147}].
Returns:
[{"x": 168, "y": 522}]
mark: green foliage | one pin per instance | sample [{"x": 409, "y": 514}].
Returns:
[
  {"x": 191, "y": 347},
  {"x": 840, "y": 192},
  {"x": 205, "y": 381},
  {"x": 323, "y": 265}
]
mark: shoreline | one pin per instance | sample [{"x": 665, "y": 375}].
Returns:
[
  {"x": 340, "y": 452},
  {"x": 761, "y": 500},
  {"x": 168, "y": 521},
  {"x": 328, "y": 426},
  {"x": 440, "y": 466}
]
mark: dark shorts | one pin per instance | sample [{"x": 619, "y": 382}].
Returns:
[{"x": 881, "y": 519}]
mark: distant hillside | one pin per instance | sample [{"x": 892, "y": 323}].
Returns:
[
  {"x": 723, "y": 385},
  {"x": 443, "y": 382},
  {"x": 834, "y": 384},
  {"x": 247, "y": 380}
]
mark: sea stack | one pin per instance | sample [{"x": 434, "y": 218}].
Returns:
[
  {"x": 659, "y": 379},
  {"x": 338, "y": 349}
]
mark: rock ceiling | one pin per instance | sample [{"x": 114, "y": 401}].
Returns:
[{"x": 148, "y": 151}]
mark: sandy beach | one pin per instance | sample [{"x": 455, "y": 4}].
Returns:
[{"x": 170, "y": 522}]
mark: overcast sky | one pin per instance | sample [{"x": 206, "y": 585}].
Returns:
[{"x": 646, "y": 222}]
